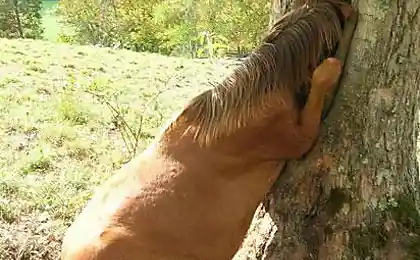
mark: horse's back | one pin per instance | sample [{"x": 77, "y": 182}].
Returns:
[
  {"x": 86, "y": 253},
  {"x": 122, "y": 249}
]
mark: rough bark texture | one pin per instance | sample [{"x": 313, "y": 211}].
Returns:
[{"x": 355, "y": 195}]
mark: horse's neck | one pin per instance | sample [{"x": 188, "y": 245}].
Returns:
[{"x": 181, "y": 147}]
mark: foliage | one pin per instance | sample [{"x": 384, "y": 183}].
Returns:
[
  {"x": 195, "y": 28},
  {"x": 20, "y": 19}
]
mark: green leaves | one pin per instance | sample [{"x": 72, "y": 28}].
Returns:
[
  {"x": 199, "y": 28},
  {"x": 21, "y": 19}
]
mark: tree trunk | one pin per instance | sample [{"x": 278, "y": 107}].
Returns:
[
  {"x": 355, "y": 195},
  {"x": 18, "y": 20},
  {"x": 280, "y": 7}
]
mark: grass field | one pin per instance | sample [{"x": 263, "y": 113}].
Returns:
[{"x": 58, "y": 141}]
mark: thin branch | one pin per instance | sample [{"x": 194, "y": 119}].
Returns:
[
  {"x": 117, "y": 115},
  {"x": 130, "y": 136}
]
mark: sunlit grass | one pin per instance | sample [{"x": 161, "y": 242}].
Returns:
[{"x": 57, "y": 141}]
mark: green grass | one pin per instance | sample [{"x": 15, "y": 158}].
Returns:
[
  {"x": 50, "y": 20},
  {"x": 58, "y": 142}
]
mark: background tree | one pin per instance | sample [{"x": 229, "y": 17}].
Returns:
[
  {"x": 355, "y": 196},
  {"x": 183, "y": 27},
  {"x": 21, "y": 19}
]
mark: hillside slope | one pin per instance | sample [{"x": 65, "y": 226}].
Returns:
[{"x": 57, "y": 141}]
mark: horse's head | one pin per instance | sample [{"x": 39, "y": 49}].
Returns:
[
  {"x": 274, "y": 77},
  {"x": 315, "y": 37}
]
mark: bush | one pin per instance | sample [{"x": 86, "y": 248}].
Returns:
[{"x": 195, "y": 28}]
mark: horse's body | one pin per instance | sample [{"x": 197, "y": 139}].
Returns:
[
  {"x": 193, "y": 193},
  {"x": 190, "y": 206}
]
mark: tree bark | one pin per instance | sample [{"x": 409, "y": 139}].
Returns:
[{"x": 355, "y": 195}]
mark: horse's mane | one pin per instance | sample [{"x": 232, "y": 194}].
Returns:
[{"x": 289, "y": 53}]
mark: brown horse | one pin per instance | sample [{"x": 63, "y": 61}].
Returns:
[{"x": 193, "y": 193}]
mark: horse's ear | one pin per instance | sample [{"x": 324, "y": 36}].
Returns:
[{"x": 299, "y": 3}]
